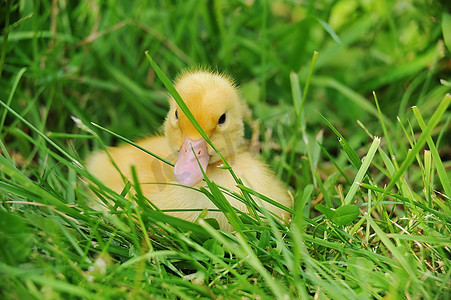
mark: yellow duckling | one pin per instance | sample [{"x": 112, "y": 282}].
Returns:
[{"x": 214, "y": 101}]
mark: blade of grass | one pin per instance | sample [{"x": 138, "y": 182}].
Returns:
[
  {"x": 218, "y": 199},
  {"x": 11, "y": 95},
  {"x": 266, "y": 199},
  {"x": 407, "y": 201},
  {"x": 296, "y": 94},
  {"x": 384, "y": 128},
  {"x": 170, "y": 87},
  {"x": 307, "y": 83},
  {"x": 133, "y": 144},
  {"x": 442, "y": 175},
  {"x": 5, "y": 34},
  {"x": 361, "y": 173},
  {"x": 421, "y": 238},
  {"x": 299, "y": 99},
  {"x": 324, "y": 192},
  {"x": 443, "y": 131},
  {"x": 331, "y": 159},
  {"x": 427, "y": 175},
  {"x": 353, "y": 157}
]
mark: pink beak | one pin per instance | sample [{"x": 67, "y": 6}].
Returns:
[{"x": 187, "y": 170}]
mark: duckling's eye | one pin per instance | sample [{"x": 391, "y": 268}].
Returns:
[
  {"x": 176, "y": 115},
  {"x": 222, "y": 119}
]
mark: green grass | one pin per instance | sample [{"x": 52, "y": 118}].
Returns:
[{"x": 371, "y": 217}]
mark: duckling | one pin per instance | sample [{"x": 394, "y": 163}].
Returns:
[{"x": 214, "y": 101}]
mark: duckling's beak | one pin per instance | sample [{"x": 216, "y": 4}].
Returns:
[{"x": 186, "y": 169}]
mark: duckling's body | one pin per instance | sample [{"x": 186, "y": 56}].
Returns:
[{"x": 214, "y": 102}]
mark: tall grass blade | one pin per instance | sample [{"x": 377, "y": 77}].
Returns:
[
  {"x": 11, "y": 95},
  {"x": 361, "y": 173},
  {"x": 384, "y": 128},
  {"x": 407, "y": 201},
  {"x": 133, "y": 144},
  {"x": 350, "y": 153},
  {"x": 442, "y": 175},
  {"x": 170, "y": 87}
]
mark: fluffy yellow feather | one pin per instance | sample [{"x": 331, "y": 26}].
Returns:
[{"x": 214, "y": 101}]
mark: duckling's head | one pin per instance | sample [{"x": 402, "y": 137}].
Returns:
[{"x": 215, "y": 103}]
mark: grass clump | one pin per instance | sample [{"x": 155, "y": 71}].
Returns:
[{"x": 370, "y": 217}]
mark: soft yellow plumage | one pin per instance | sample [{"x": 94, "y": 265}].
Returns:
[{"x": 215, "y": 103}]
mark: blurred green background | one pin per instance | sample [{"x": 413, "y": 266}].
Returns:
[{"x": 86, "y": 59}]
